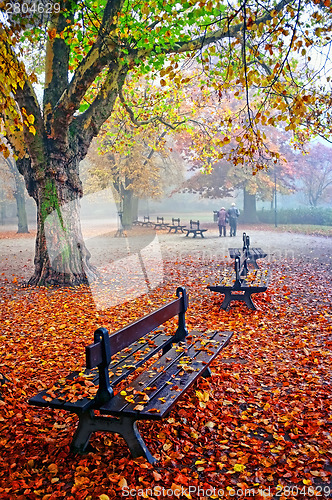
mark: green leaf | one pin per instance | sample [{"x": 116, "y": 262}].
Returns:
[{"x": 84, "y": 107}]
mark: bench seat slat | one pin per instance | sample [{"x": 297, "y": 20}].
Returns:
[
  {"x": 257, "y": 253},
  {"x": 165, "y": 399},
  {"x": 243, "y": 288},
  {"x": 148, "y": 346},
  {"x": 161, "y": 381}
]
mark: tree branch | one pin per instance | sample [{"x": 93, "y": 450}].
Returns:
[
  {"x": 201, "y": 41},
  {"x": 99, "y": 55},
  {"x": 89, "y": 123},
  {"x": 146, "y": 122}
]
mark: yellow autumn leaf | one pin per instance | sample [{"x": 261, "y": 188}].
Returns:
[
  {"x": 31, "y": 119},
  {"x": 123, "y": 482},
  {"x": 157, "y": 476},
  {"x": 32, "y": 129},
  {"x": 104, "y": 497},
  {"x": 53, "y": 468},
  {"x": 203, "y": 396},
  {"x": 239, "y": 467}
]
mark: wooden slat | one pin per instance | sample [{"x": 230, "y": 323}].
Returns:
[
  {"x": 129, "y": 334},
  {"x": 122, "y": 364},
  {"x": 165, "y": 399},
  {"x": 257, "y": 252},
  {"x": 162, "y": 376}
]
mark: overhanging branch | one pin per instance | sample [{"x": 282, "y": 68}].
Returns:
[{"x": 154, "y": 119}]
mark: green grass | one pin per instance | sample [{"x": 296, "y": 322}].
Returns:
[{"x": 309, "y": 229}]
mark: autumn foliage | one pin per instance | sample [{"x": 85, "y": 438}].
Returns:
[{"x": 262, "y": 420}]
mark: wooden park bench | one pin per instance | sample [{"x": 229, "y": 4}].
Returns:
[
  {"x": 160, "y": 224},
  {"x": 241, "y": 284},
  {"x": 155, "y": 390},
  {"x": 144, "y": 222},
  {"x": 252, "y": 253},
  {"x": 176, "y": 226},
  {"x": 195, "y": 229}
]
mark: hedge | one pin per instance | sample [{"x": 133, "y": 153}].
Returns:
[{"x": 316, "y": 216}]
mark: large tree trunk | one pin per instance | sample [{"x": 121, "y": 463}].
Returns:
[
  {"x": 249, "y": 207},
  {"x": 19, "y": 195},
  {"x": 130, "y": 205},
  {"x": 61, "y": 257}
]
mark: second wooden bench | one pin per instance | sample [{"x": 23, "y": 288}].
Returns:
[
  {"x": 240, "y": 284},
  {"x": 252, "y": 253}
]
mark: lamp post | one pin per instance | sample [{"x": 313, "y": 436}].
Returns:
[{"x": 275, "y": 197}]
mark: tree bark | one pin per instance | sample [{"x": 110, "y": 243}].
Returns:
[
  {"x": 130, "y": 204},
  {"x": 249, "y": 207},
  {"x": 61, "y": 257}
]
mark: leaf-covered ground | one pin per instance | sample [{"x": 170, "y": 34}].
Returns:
[{"x": 262, "y": 421}]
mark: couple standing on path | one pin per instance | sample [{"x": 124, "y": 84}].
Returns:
[{"x": 230, "y": 216}]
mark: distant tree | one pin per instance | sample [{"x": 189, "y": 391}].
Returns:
[
  {"x": 142, "y": 173},
  {"x": 222, "y": 177},
  {"x": 315, "y": 173},
  {"x": 15, "y": 187}
]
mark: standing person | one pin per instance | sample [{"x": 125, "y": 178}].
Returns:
[
  {"x": 222, "y": 221},
  {"x": 233, "y": 214}
]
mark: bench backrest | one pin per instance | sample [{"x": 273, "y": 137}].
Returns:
[
  {"x": 99, "y": 353},
  {"x": 240, "y": 266},
  {"x": 177, "y": 221},
  {"x": 146, "y": 218},
  {"x": 194, "y": 224},
  {"x": 160, "y": 220},
  {"x": 246, "y": 243}
]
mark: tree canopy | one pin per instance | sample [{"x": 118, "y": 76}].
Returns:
[{"x": 90, "y": 48}]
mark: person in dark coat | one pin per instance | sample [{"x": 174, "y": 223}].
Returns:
[
  {"x": 233, "y": 214},
  {"x": 222, "y": 221}
]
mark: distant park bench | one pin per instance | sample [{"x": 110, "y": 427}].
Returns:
[
  {"x": 145, "y": 222},
  {"x": 176, "y": 226},
  {"x": 160, "y": 224},
  {"x": 195, "y": 229},
  {"x": 155, "y": 390},
  {"x": 240, "y": 284}
]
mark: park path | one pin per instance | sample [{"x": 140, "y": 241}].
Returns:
[{"x": 17, "y": 251}]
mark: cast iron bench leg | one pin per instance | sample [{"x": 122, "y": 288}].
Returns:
[
  {"x": 248, "y": 301},
  {"x": 227, "y": 300},
  {"x": 207, "y": 373},
  {"x": 229, "y": 297},
  {"x": 125, "y": 426},
  {"x": 86, "y": 426}
]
